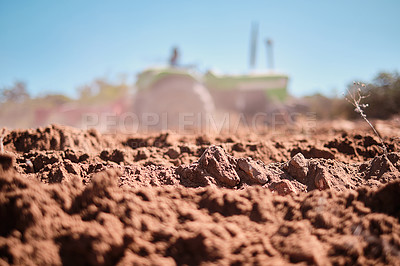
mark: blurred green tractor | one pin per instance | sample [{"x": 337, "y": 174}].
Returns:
[{"x": 182, "y": 95}]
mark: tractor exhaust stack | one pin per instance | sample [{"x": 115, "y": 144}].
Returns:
[
  {"x": 270, "y": 58},
  {"x": 253, "y": 45}
]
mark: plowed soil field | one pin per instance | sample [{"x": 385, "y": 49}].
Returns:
[{"x": 78, "y": 197}]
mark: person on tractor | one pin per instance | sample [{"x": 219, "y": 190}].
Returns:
[{"x": 174, "y": 57}]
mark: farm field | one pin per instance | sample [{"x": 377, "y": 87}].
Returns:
[{"x": 326, "y": 196}]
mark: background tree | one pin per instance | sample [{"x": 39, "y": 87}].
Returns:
[{"x": 16, "y": 93}]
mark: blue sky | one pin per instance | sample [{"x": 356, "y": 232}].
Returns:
[{"x": 57, "y": 46}]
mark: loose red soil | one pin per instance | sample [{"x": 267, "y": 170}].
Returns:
[{"x": 327, "y": 197}]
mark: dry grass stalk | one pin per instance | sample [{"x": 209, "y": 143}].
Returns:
[{"x": 355, "y": 99}]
